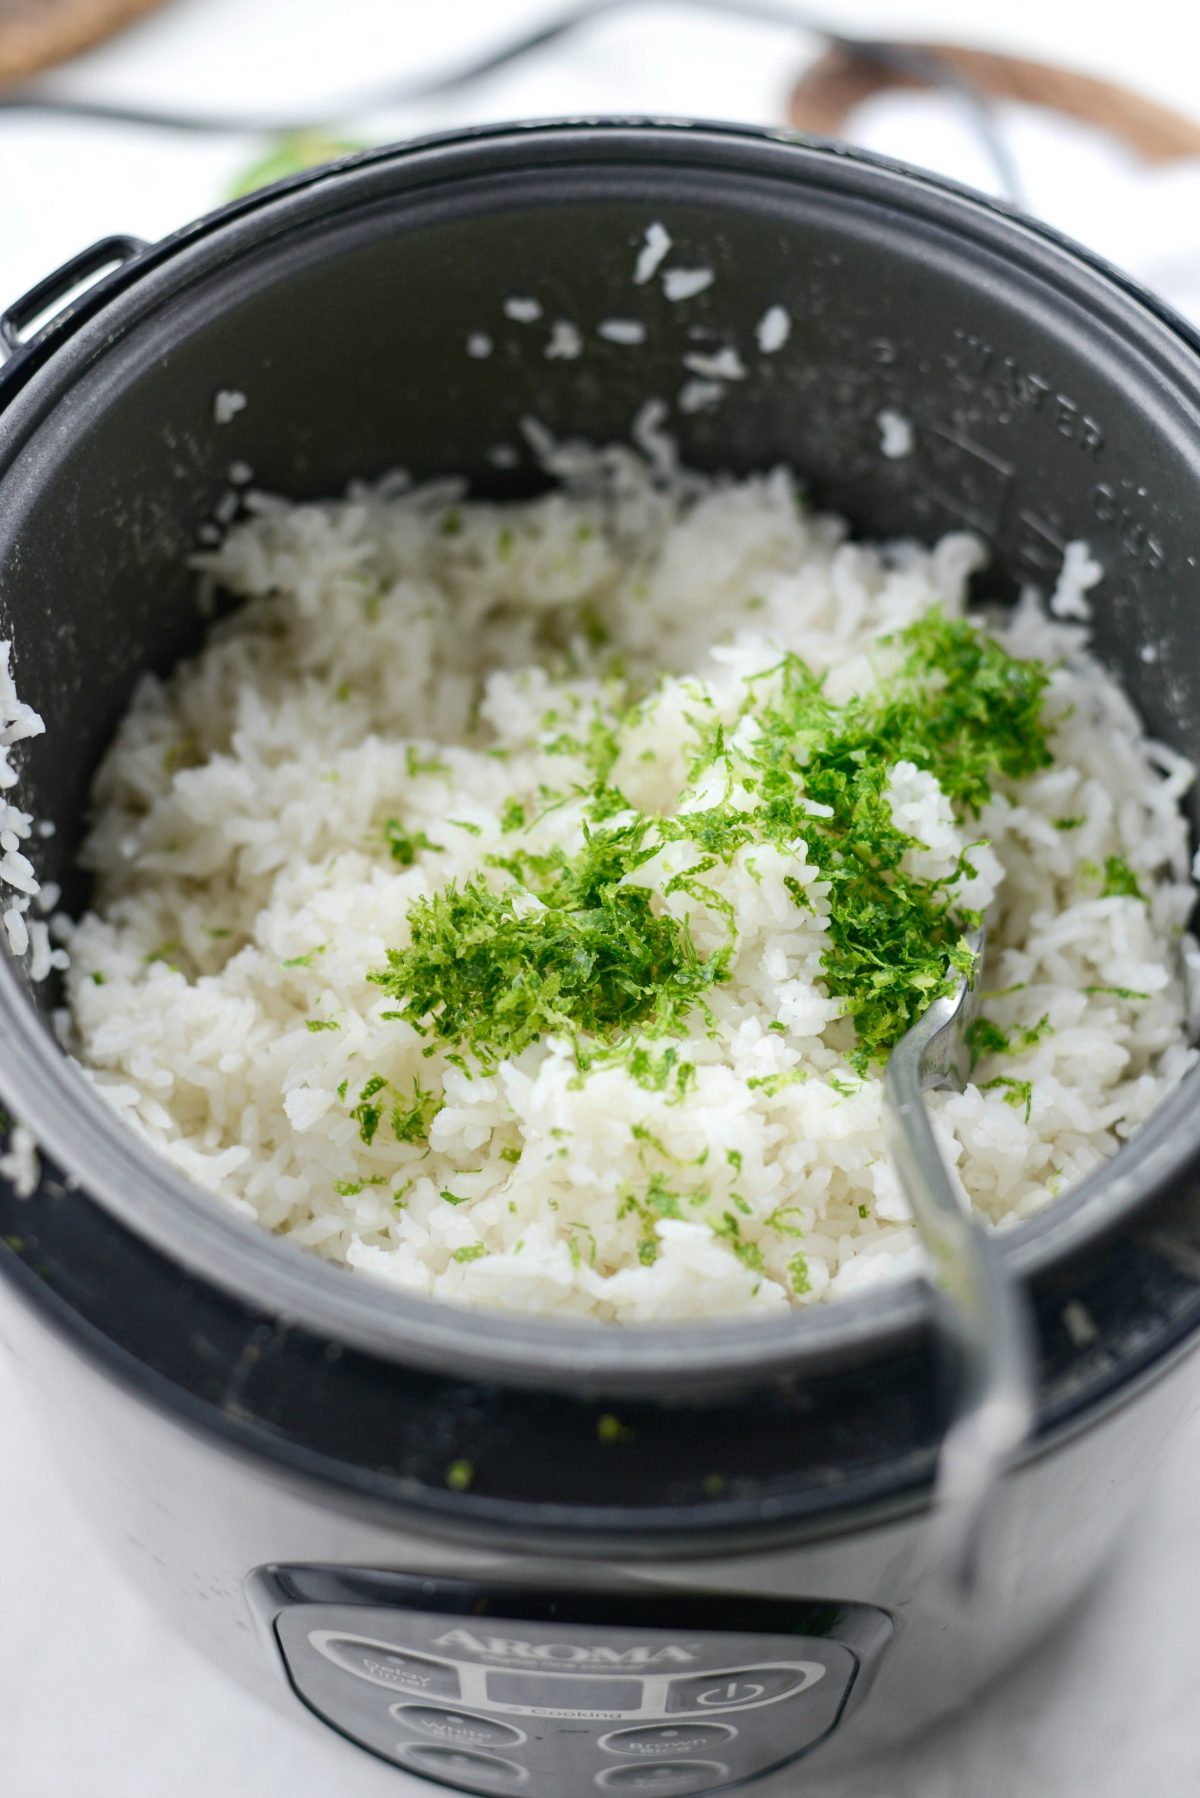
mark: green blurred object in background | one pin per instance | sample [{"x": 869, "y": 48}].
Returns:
[{"x": 291, "y": 155}]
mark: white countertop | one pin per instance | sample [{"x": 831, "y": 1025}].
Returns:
[{"x": 97, "y": 1698}]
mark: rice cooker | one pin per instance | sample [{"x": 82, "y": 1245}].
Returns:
[{"x": 509, "y": 1554}]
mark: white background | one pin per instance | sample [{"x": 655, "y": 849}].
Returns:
[{"x": 97, "y": 1698}]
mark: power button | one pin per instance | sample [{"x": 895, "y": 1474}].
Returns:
[{"x": 741, "y": 1687}]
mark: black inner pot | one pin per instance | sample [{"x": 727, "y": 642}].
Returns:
[{"x": 1049, "y": 401}]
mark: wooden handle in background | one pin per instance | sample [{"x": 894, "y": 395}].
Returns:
[
  {"x": 35, "y": 34},
  {"x": 828, "y": 92}
]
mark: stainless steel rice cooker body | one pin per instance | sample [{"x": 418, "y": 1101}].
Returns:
[{"x": 516, "y": 1555}]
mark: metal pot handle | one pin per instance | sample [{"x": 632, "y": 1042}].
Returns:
[{"x": 54, "y": 293}]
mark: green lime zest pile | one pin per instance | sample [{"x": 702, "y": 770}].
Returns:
[
  {"x": 960, "y": 708},
  {"x": 490, "y": 972},
  {"x": 568, "y": 946}
]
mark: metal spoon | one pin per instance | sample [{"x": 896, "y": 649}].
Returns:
[{"x": 982, "y": 1314}]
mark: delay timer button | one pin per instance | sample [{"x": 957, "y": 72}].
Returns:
[
  {"x": 457, "y": 1726},
  {"x": 667, "y": 1779},
  {"x": 390, "y": 1667},
  {"x": 739, "y": 1689}
]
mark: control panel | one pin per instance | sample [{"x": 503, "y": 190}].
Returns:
[{"x": 546, "y": 1695}]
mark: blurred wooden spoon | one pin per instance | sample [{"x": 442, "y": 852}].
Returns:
[
  {"x": 35, "y": 34},
  {"x": 839, "y": 81}
]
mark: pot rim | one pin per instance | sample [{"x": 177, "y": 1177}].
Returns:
[{"x": 83, "y": 1137}]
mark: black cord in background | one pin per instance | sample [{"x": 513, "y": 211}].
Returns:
[{"x": 925, "y": 64}]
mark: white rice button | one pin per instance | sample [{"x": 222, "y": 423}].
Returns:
[{"x": 458, "y": 1727}]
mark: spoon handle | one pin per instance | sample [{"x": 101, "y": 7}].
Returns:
[{"x": 982, "y": 1317}]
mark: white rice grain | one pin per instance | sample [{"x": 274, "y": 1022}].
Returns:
[
  {"x": 566, "y": 342},
  {"x": 524, "y": 310},
  {"x": 722, "y": 365},
  {"x": 1080, "y": 572},
  {"x": 622, "y": 330},
  {"x": 686, "y": 283},
  {"x": 699, "y": 396},
  {"x": 773, "y": 329},
  {"x": 896, "y": 436},
  {"x": 654, "y": 250},
  {"x": 21, "y": 1165},
  {"x": 227, "y": 403}
]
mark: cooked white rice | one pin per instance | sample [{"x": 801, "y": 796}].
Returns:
[
  {"x": 407, "y": 655},
  {"x": 25, "y": 936},
  {"x": 18, "y": 722}
]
